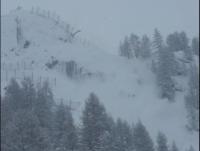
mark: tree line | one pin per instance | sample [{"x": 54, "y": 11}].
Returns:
[
  {"x": 134, "y": 46},
  {"x": 32, "y": 121}
]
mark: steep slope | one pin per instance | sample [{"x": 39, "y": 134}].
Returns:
[{"x": 126, "y": 87}]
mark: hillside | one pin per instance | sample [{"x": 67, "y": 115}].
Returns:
[{"x": 127, "y": 88}]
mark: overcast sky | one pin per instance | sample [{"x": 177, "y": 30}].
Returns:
[{"x": 106, "y": 22}]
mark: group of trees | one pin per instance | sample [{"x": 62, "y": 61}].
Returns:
[
  {"x": 133, "y": 47},
  {"x": 165, "y": 68},
  {"x": 165, "y": 65},
  {"x": 31, "y": 121},
  {"x": 168, "y": 67},
  {"x": 192, "y": 99}
]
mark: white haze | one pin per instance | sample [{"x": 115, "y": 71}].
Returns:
[{"x": 106, "y": 22}]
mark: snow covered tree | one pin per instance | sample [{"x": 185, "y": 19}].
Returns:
[
  {"x": 94, "y": 125},
  {"x": 109, "y": 142},
  {"x": 177, "y": 41},
  {"x": 173, "y": 41},
  {"x": 164, "y": 72},
  {"x": 65, "y": 134},
  {"x": 125, "y": 49},
  {"x": 43, "y": 109},
  {"x": 13, "y": 95},
  {"x": 184, "y": 41},
  {"x": 23, "y": 133},
  {"x": 26, "y": 117},
  {"x": 135, "y": 44},
  {"x": 28, "y": 94},
  {"x": 145, "y": 47},
  {"x": 124, "y": 138},
  {"x": 195, "y": 45},
  {"x": 192, "y": 99},
  {"x": 43, "y": 105},
  {"x": 157, "y": 40},
  {"x": 174, "y": 147},
  {"x": 162, "y": 142},
  {"x": 141, "y": 138}
]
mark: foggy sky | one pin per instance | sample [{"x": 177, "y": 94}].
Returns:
[{"x": 106, "y": 22}]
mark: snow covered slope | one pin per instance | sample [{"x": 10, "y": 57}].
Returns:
[{"x": 126, "y": 87}]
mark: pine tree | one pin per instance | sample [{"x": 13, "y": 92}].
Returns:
[
  {"x": 157, "y": 40},
  {"x": 65, "y": 134},
  {"x": 177, "y": 41},
  {"x": 162, "y": 142},
  {"x": 141, "y": 138},
  {"x": 28, "y": 93},
  {"x": 43, "y": 105},
  {"x": 184, "y": 41},
  {"x": 174, "y": 147},
  {"x": 124, "y": 138},
  {"x": 173, "y": 42},
  {"x": 13, "y": 95},
  {"x": 145, "y": 47},
  {"x": 43, "y": 109},
  {"x": 25, "y": 122},
  {"x": 95, "y": 125},
  {"x": 23, "y": 133},
  {"x": 135, "y": 45},
  {"x": 195, "y": 45},
  {"x": 164, "y": 72},
  {"x": 192, "y": 99},
  {"x": 184, "y": 46},
  {"x": 125, "y": 49},
  {"x": 109, "y": 142}
]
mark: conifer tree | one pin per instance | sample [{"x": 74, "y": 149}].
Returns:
[
  {"x": 124, "y": 138},
  {"x": 174, "y": 147},
  {"x": 164, "y": 72},
  {"x": 177, "y": 41},
  {"x": 13, "y": 95},
  {"x": 192, "y": 99},
  {"x": 23, "y": 133},
  {"x": 125, "y": 49},
  {"x": 135, "y": 45},
  {"x": 141, "y": 138},
  {"x": 157, "y": 40},
  {"x": 65, "y": 134},
  {"x": 162, "y": 142},
  {"x": 28, "y": 93},
  {"x": 43, "y": 109},
  {"x": 195, "y": 45},
  {"x": 94, "y": 124},
  {"x": 145, "y": 47}
]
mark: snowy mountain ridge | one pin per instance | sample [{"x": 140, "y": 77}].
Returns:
[{"x": 119, "y": 83}]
